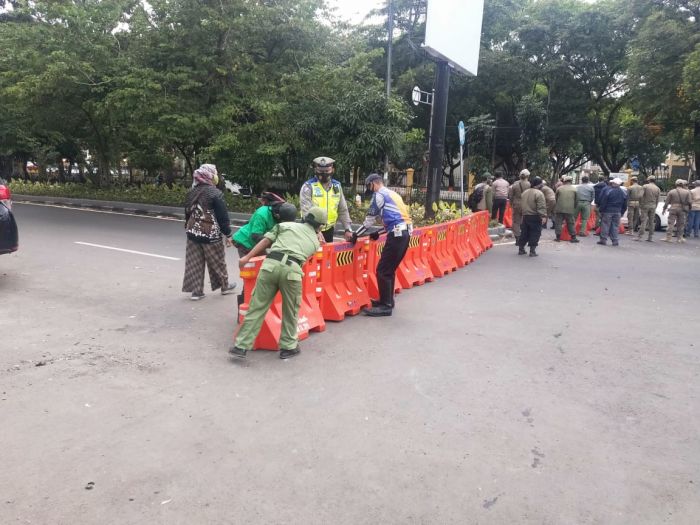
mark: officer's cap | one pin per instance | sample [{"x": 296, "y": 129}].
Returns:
[
  {"x": 524, "y": 174},
  {"x": 616, "y": 181},
  {"x": 317, "y": 217},
  {"x": 680, "y": 182},
  {"x": 651, "y": 178},
  {"x": 323, "y": 164},
  {"x": 372, "y": 177},
  {"x": 567, "y": 178},
  {"x": 634, "y": 179}
]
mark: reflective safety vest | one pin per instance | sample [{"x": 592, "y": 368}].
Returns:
[{"x": 328, "y": 200}]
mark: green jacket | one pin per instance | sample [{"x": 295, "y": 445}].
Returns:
[
  {"x": 259, "y": 224},
  {"x": 533, "y": 202},
  {"x": 567, "y": 199}
]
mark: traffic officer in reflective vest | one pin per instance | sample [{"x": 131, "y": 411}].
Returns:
[
  {"x": 389, "y": 206},
  {"x": 326, "y": 193},
  {"x": 290, "y": 244}
]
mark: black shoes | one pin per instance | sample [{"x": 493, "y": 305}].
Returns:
[
  {"x": 237, "y": 352},
  {"x": 557, "y": 239},
  {"x": 228, "y": 289},
  {"x": 381, "y": 310},
  {"x": 286, "y": 354},
  {"x": 574, "y": 240},
  {"x": 533, "y": 253},
  {"x": 602, "y": 242},
  {"x": 196, "y": 296},
  {"x": 521, "y": 251},
  {"x": 376, "y": 303}
]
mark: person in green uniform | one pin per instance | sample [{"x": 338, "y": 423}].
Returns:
[
  {"x": 259, "y": 224},
  {"x": 565, "y": 208},
  {"x": 290, "y": 244}
]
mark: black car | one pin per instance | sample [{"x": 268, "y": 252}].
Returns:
[{"x": 9, "y": 238}]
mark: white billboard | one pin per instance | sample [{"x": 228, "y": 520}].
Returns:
[{"x": 453, "y": 32}]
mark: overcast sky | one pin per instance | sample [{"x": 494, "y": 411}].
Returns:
[{"x": 355, "y": 10}]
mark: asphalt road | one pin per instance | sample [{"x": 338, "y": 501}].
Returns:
[{"x": 556, "y": 390}]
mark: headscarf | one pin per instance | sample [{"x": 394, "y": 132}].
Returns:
[{"x": 204, "y": 174}]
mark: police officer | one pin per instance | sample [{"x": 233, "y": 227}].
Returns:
[
  {"x": 565, "y": 209},
  {"x": 534, "y": 209},
  {"x": 326, "y": 193},
  {"x": 679, "y": 201},
  {"x": 514, "y": 195},
  {"x": 634, "y": 210},
  {"x": 388, "y": 206},
  {"x": 290, "y": 244},
  {"x": 647, "y": 207}
]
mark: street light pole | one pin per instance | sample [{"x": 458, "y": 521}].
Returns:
[{"x": 388, "y": 73}]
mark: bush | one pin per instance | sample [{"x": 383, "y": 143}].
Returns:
[{"x": 146, "y": 194}]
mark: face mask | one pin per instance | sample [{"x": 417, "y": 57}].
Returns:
[{"x": 323, "y": 177}]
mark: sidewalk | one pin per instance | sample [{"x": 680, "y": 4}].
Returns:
[{"x": 128, "y": 207}]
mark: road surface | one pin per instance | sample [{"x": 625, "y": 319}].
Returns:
[{"x": 562, "y": 389}]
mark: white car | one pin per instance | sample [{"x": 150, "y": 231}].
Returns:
[{"x": 660, "y": 222}]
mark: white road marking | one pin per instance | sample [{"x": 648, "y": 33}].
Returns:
[
  {"x": 108, "y": 212},
  {"x": 127, "y": 251}
]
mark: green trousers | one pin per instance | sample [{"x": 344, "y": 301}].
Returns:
[
  {"x": 274, "y": 277},
  {"x": 583, "y": 209},
  {"x": 647, "y": 220},
  {"x": 570, "y": 219}
]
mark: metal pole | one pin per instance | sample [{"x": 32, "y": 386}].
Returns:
[
  {"x": 437, "y": 146},
  {"x": 461, "y": 180},
  {"x": 388, "y": 70}
]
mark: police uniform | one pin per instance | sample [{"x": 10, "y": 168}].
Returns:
[
  {"x": 634, "y": 210},
  {"x": 326, "y": 195},
  {"x": 678, "y": 201},
  {"x": 514, "y": 196},
  {"x": 292, "y": 244},
  {"x": 388, "y": 206},
  {"x": 647, "y": 207}
]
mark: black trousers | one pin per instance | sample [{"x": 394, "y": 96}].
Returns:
[
  {"x": 392, "y": 255},
  {"x": 328, "y": 234},
  {"x": 499, "y": 209},
  {"x": 530, "y": 231}
]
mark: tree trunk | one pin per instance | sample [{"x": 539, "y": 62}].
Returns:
[
  {"x": 61, "y": 170},
  {"x": 696, "y": 147}
]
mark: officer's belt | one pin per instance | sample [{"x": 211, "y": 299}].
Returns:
[{"x": 284, "y": 258}]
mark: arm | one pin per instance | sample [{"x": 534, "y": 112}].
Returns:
[
  {"x": 666, "y": 202},
  {"x": 510, "y": 193},
  {"x": 258, "y": 249},
  {"x": 221, "y": 214},
  {"x": 488, "y": 198},
  {"x": 344, "y": 215},
  {"x": 258, "y": 225},
  {"x": 305, "y": 200},
  {"x": 624, "y": 204},
  {"x": 541, "y": 206},
  {"x": 375, "y": 210}
]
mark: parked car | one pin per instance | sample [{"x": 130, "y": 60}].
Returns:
[
  {"x": 660, "y": 222},
  {"x": 9, "y": 238},
  {"x": 237, "y": 189}
]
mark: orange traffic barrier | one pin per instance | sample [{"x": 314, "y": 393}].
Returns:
[
  {"x": 461, "y": 246},
  {"x": 343, "y": 290},
  {"x": 480, "y": 221},
  {"x": 508, "y": 216},
  {"x": 310, "y": 318},
  {"x": 374, "y": 252},
  {"x": 439, "y": 255},
  {"x": 415, "y": 268}
]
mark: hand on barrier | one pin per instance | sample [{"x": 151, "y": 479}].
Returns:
[{"x": 374, "y": 236}]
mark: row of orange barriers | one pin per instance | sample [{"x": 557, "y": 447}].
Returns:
[{"x": 340, "y": 279}]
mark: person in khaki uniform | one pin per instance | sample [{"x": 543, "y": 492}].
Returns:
[
  {"x": 534, "y": 209},
  {"x": 634, "y": 210},
  {"x": 486, "y": 202},
  {"x": 565, "y": 209},
  {"x": 678, "y": 202},
  {"x": 514, "y": 195},
  {"x": 550, "y": 199},
  {"x": 290, "y": 244},
  {"x": 585, "y": 194},
  {"x": 647, "y": 207}
]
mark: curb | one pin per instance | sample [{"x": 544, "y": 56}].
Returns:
[{"x": 125, "y": 207}]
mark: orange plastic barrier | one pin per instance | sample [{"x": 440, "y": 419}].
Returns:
[
  {"x": 374, "y": 251},
  {"x": 440, "y": 257},
  {"x": 343, "y": 290},
  {"x": 508, "y": 216},
  {"x": 415, "y": 268},
  {"x": 480, "y": 221},
  {"x": 461, "y": 245},
  {"x": 310, "y": 318}
]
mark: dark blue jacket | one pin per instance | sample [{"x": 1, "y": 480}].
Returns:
[
  {"x": 597, "y": 188},
  {"x": 614, "y": 200}
]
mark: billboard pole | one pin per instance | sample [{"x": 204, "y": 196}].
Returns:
[
  {"x": 437, "y": 142},
  {"x": 390, "y": 36}
]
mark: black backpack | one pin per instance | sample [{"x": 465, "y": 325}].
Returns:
[{"x": 475, "y": 198}]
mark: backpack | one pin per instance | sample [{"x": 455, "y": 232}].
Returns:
[
  {"x": 202, "y": 225},
  {"x": 475, "y": 198}
]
